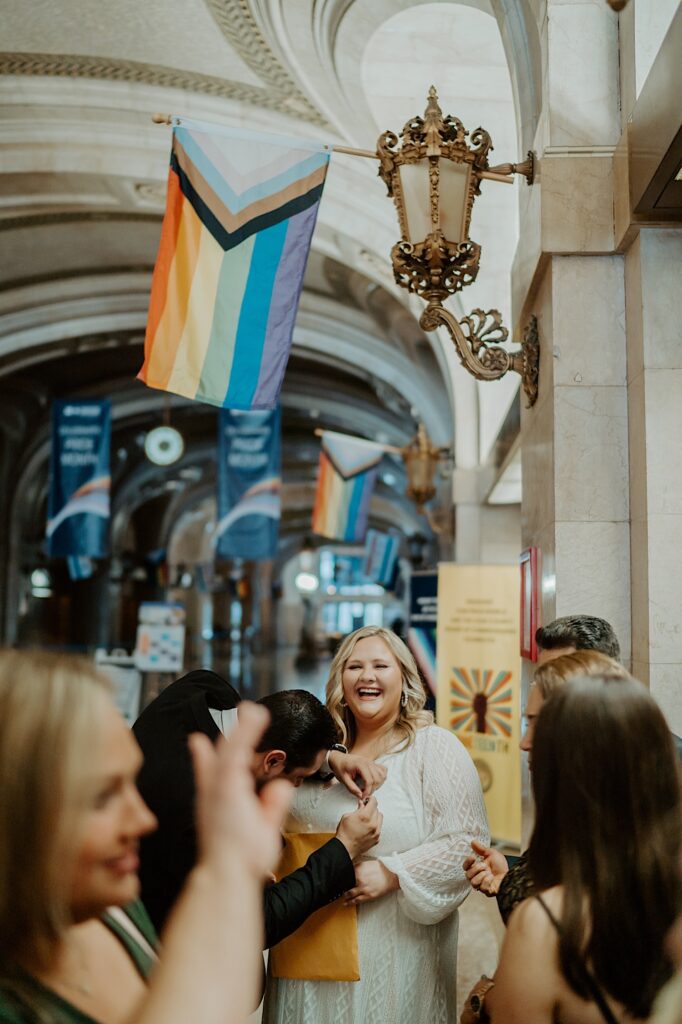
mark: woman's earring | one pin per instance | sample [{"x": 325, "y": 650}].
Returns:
[
  {"x": 342, "y": 704},
  {"x": 403, "y": 699}
]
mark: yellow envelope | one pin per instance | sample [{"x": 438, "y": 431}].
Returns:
[{"x": 325, "y": 947}]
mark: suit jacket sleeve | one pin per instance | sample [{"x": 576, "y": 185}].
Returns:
[{"x": 325, "y": 876}]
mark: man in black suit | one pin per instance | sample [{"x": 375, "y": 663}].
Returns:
[{"x": 296, "y": 744}]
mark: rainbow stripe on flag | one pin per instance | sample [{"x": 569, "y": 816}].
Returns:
[
  {"x": 240, "y": 214},
  {"x": 345, "y": 481}
]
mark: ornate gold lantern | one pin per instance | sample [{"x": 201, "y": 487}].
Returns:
[
  {"x": 422, "y": 459},
  {"x": 433, "y": 175}
]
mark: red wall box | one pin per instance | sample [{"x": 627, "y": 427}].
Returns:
[{"x": 530, "y": 603}]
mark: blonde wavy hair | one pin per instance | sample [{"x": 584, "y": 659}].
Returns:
[
  {"x": 411, "y": 717},
  {"x": 51, "y": 714},
  {"x": 551, "y": 676}
]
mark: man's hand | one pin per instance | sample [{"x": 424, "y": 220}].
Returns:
[
  {"x": 360, "y": 830},
  {"x": 372, "y": 880},
  {"x": 486, "y": 870},
  {"x": 360, "y": 776}
]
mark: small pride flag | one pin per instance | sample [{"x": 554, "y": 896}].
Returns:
[
  {"x": 240, "y": 213},
  {"x": 345, "y": 481}
]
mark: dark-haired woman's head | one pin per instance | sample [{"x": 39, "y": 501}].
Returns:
[{"x": 608, "y": 830}]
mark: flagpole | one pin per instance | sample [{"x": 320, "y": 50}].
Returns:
[
  {"x": 387, "y": 447},
  {"x": 167, "y": 119}
]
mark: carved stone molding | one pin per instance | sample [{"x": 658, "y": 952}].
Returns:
[
  {"x": 75, "y": 217},
  {"x": 235, "y": 20},
  {"x": 64, "y": 65}
]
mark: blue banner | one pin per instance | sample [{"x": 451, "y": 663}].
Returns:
[
  {"x": 249, "y": 484},
  {"x": 421, "y": 637},
  {"x": 381, "y": 558},
  {"x": 80, "y": 480},
  {"x": 80, "y": 567}
]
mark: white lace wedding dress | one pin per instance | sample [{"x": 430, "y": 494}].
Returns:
[{"x": 433, "y": 807}]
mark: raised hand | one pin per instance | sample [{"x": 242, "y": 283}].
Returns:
[
  {"x": 232, "y": 819},
  {"x": 486, "y": 869},
  {"x": 360, "y": 776}
]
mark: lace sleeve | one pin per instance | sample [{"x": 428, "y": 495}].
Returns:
[{"x": 432, "y": 879}]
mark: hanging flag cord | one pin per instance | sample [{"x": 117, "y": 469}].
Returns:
[
  {"x": 168, "y": 119},
  {"x": 492, "y": 175},
  {"x": 377, "y": 444}
]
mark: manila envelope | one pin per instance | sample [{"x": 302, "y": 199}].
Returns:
[{"x": 325, "y": 947}]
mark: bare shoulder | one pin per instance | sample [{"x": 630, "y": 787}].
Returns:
[
  {"x": 528, "y": 983},
  {"x": 530, "y": 922}
]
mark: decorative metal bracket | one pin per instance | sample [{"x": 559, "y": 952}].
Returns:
[
  {"x": 527, "y": 168},
  {"x": 478, "y": 338}
]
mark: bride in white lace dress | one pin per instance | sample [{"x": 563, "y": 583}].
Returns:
[{"x": 407, "y": 894}]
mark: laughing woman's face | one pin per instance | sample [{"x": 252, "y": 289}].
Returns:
[{"x": 372, "y": 683}]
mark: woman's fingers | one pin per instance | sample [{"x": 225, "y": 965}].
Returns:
[
  {"x": 351, "y": 785},
  {"x": 489, "y": 886},
  {"x": 231, "y": 817},
  {"x": 253, "y": 721},
  {"x": 203, "y": 760},
  {"x": 480, "y": 849},
  {"x": 362, "y": 897},
  {"x": 480, "y": 878},
  {"x": 275, "y": 799},
  {"x": 372, "y": 777}
]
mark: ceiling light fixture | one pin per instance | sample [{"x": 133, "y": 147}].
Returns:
[{"x": 164, "y": 445}]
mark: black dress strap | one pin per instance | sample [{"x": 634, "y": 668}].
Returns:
[{"x": 583, "y": 971}]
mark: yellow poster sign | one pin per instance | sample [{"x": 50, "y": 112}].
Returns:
[{"x": 479, "y": 680}]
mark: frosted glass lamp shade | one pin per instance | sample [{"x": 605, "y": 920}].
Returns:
[{"x": 453, "y": 197}]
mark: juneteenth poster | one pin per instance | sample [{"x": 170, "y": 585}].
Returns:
[{"x": 479, "y": 681}]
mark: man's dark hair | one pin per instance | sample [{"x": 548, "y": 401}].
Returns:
[
  {"x": 299, "y": 725},
  {"x": 584, "y": 632}
]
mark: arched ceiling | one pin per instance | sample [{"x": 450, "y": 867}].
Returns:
[{"x": 82, "y": 173}]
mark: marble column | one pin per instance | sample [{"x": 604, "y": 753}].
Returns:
[
  {"x": 575, "y": 439},
  {"x": 575, "y": 444},
  {"x": 654, "y": 373}
]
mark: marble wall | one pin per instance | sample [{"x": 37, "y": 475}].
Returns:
[
  {"x": 490, "y": 534},
  {"x": 575, "y": 444},
  {"x": 654, "y": 374},
  {"x": 602, "y": 474}
]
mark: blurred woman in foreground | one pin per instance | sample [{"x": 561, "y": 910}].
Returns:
[
  {"x": 590, "y": 946},
  {"x": 74, "y": 944}
]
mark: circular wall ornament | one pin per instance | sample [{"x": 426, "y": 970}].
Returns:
[{"x": 164, "y": 445}]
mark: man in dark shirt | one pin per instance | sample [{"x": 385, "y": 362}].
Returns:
[{"x": 295, "y": 745}]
